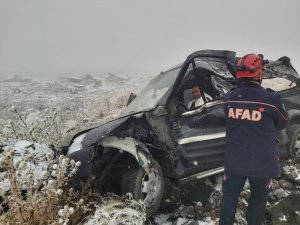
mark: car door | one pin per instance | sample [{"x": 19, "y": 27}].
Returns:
[{"x": 200, "y": 135}]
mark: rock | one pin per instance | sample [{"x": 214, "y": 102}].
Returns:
[
  {"x": 297, "y": 161},
  {"x": 287, "y": 212},
  {"x": 272, "y": 197},
  {"x": 285, "y": 184},
  {"x": 197, "y": 191},
  {"x": 291, "y": 173},
  {"x": 185, "y": 221},
  {"x": 192, "y": 222},
  {"x": 245, "y": 193},
  {"x": 213, "y": 214},
  {"x": 240, "y": 217},
  {"x": 280, "y": 193},
  {"x": 275, "y": 184},
  {"x": 187, "y": 212},
  {"x": 242, "y": 203},
  {"x": 199, "y": 210},
  {"x": 214, "y": 201}
]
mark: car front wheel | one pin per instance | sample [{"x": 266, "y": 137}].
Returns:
[
  {"x": 294, "y": 144},
  {"x": 147, "y": 186}
]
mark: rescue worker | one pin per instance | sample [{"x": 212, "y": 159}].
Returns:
[
  {"x": 253, "y": 117},
  {"x": 197, "y": 100}
]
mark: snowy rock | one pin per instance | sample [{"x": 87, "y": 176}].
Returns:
[
  {"x": 291, "y": 173},
  {"x": 285, "y": 184},
  {"x": 162, "y": 219},
  {"x": 192, "y": 222},
  {"x": 188, "y": 212},
  {"x": 272, "y": 197},
  {"x": 214, "y": 200},
  {"x": 240, "y": 217},
  {"x": 280, "y": 193},
  {"x": 275, "y": 185},
  {"x": 199, "y": 210},
  {"x": 287, "y": 212}
]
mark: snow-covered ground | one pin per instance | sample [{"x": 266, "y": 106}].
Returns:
[
  {"x": 40, "y": 112},
  {"x": 62, "y": 105}
]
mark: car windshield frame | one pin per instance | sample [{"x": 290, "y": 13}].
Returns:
[
  {"x": 217, "y": 65},
  {"x": 150, "y": 95}
]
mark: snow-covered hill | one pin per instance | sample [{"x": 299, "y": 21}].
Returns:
[{"x": 67, "y": 104}]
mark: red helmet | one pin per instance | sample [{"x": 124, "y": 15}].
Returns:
[{"x": 250, "y": 65}]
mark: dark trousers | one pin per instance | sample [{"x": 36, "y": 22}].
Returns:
[{"x": 232, "y": 186}]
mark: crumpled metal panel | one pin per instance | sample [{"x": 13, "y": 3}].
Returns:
[
  {"x": 96, "y": 134},
  {"x": 131, "y": 146}
]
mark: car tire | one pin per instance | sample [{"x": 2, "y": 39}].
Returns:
[
  {"x": 145, "y": 186},
  {"x": 294, "y": 144}
]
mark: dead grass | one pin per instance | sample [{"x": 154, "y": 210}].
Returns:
[
  {"x": 41, "y": 198},
  {"x": 50, "y": 126}
]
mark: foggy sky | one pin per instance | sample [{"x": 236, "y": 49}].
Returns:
[{"x": 138, "y": 37}]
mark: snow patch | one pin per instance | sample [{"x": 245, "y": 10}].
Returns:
[
  {"x": 22, "y": 150},
  {"x": 283, "y": 218}
]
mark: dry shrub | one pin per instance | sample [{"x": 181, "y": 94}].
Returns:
[
  {"x": 40, "y": 197},
  {"x": 113, "y": 210},
  {"x": 37, "y": 197},
  {"x": 36, "y": 127},
  {"x": 50, "y": 126},
  {"x": 106, "y": 109}
]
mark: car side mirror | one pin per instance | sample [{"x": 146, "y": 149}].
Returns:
[{"x": 131, "y": 97}]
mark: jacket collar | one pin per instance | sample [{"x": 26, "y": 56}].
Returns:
[{"x": 249, "y": 84}]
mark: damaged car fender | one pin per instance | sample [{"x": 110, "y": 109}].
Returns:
[
  {"x": 132, "y": 146},
  {"x": 83, "y": 145}
]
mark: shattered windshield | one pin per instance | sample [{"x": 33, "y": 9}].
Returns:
[
  {"x": 217, "y": 65},
  {"x": 153, "y": 92},
  {"x": 279, "y": 70},
  {"x": 280, "y": 76}
]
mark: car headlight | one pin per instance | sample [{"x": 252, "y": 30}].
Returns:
[{"x": 76, "y": 144}]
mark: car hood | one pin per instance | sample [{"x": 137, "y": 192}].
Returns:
[{"x": 96, "y": 132}]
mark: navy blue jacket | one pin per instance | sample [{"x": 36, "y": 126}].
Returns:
[{"x": 253, "y": 117}]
